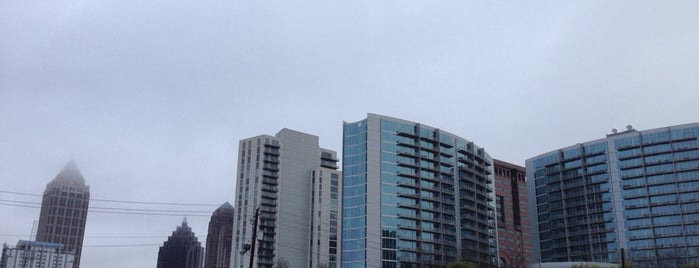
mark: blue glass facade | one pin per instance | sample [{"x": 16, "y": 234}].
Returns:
[
  {"x": 414, "y": 196},
  {"x": 354, "y": 205},
  {"x": 659, "y": 178},
  {"x": 574, "y": 205},
  {"x": 633, "y": 190}
]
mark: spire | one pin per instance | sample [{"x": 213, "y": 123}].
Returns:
[
  {"x": 184, "y": 222},
  {"x": 70, "y": 174},
  {"x": 226, "y": 206}
]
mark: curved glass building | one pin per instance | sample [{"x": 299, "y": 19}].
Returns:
[
  {"x": 415, "y": 196},
  {"x": 634, "y": 190}
]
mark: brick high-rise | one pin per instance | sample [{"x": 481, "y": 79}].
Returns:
[
  {"x": 220, "y": 238},
  {"x": 514, "y": 243}
]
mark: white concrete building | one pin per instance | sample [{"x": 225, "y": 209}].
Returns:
[
  {"x": 289, "y": 178},
  {"x": 33, "y": 254}
]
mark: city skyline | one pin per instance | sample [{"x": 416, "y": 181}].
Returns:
[{"x": 151, "y": 98}]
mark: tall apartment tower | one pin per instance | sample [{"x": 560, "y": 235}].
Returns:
[
  {"x": 415, "y": 196},
  {"x": 181, "y": 250},
  {"x": 326, "y": 201},
  {"x": 633, "y": 190},
  {"x": 220, "y": 238},
  {"x": 64, "y": 210},
  {"x": 295, "y": 185},
  {"x": 514, "y": 242}
]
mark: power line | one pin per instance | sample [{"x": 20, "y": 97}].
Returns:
[
  {"x": 120, "y": 245},
  {"x": 21, "y": 202},
  {"x": 122, "y": 212},
  {"x": 18, "y": 193},
  {"x": 123, "y": 201},
  {"x": 153, "y": 203},
  {"x": 16, "y": 205},
  {"x": 96, "y": 236},
  {"x": 115, "y": 208},
  {"x": 147, "y": 214}
]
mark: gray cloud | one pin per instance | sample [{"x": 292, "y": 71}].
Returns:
[{"x": 151, "y": 98}]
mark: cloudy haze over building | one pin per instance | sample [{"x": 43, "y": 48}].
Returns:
[
  {"x": 152, "y": 97},
  {"x": 64, "y": 211}
]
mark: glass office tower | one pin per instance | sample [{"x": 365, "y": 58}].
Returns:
[
  {"x": 637, "y": 190},
  {"x": 415, "y": 196}
]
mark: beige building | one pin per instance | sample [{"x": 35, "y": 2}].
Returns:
[{"x": 64, "y": 210}]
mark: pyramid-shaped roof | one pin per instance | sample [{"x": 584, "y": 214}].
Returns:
[
  {"x": 70, "y": 174},
  {"x": 226, "y": 206}
]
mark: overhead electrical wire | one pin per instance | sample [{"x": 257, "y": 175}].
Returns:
[
  {"x": 121, "y": 245},
  {"x": 124, "y": 201},
  {"x": 168, "y": 212}
]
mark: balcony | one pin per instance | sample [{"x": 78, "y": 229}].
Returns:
[
  {"x": 409, "y": 153},
  {"x": 411, "y": 195},
  {"x": 272, "y": 196},
  {"x": 270, "y": 159},
  {"x": 270, "y": 174},
  {"x": 406, "y": 134},
  {"x": 268, "y": 209},
  {"x": 407, "y": 184},
  {"x": 271, "y": 151},
  {"x": 268, "y": 188},
  {"x": 413, "y": 206},
  {"x": 407, "y": 174},
  {"x": 270, "y": 167},
  {"x": 270, "y": 181},
  {"x": 412, "y": 164}
]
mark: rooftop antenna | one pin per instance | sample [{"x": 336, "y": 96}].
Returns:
[
  {"x": 32, "y": 233},
  {"x": 629, "y": 127},
  {"x": 614, "y": 131}
]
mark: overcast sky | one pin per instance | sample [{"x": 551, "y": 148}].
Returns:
[{"x": 151, "y": 97}]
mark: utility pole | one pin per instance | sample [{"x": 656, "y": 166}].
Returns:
[
  {"x": 623, "y": 259},
  {"x": 254, "y": 236}
]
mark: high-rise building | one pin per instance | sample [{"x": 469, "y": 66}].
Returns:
[
  {"x": 514, "y": 243},
  {"x": 326, "y": 201},
  {"x": 64, "y": 210},
  {"x": 220, "y": 238},
  {"x": 633, "y": 190},
  {"x": 181, "y": 250},
  {"x": 415, "y": 196},
  {"x": 33, "y": 254},
  {"x": 294, "y": 184}
]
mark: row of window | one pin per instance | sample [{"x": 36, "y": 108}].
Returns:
[
  {"x": 661, "y": 189},
  {"x": 663, "y": 231},
  {"x": 662, "y": 221},
  {"x": 663, "y": 242}
]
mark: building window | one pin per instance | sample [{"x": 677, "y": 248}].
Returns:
[{"x": 501, "y": 208}]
